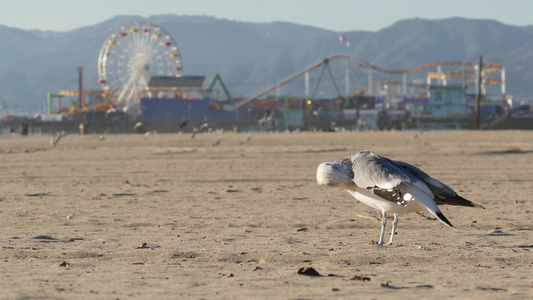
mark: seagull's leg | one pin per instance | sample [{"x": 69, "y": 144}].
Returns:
[
  {"x": 383, "y": 223},
  {"x": 394, "y": 224}
]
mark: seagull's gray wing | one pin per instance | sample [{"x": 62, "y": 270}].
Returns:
[
  {"x": 388, "y": 180},
  {"x": 433, "y": 184},
  {"x": 371, "y": 170},
  {"x": 443, "y": 193}
]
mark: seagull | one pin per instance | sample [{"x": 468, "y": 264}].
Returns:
[
  {"x": 149, "y": 133},
  {"x": 139, "y": 127},
  {"x": 390, "y": 186},
  {"x": 102, "y": 136},
  {"x": 55, "y": 138},
  {"x": 196, "y": 129},
  {"x": 182, "y": 124},
  {"x": 246, "y": 140}
]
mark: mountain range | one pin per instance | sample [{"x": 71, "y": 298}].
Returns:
[{"x": 251, "y": 57}]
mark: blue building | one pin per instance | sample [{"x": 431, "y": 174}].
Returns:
[{"x": 447, "y": 102}]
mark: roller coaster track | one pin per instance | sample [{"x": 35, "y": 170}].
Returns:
[
  {"x": 462, "y": 74},
  {"x": 487, "y": 67},
  {"x": 284, "y": 82}
]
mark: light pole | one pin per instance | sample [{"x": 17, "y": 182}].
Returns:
[{"x": 80, "y": 86}]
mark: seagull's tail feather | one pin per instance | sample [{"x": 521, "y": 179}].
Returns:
[
  {"x": 443, "y": 219},
  {"x": 458, "y": 201},
  {"x": 419, "y": 191}
]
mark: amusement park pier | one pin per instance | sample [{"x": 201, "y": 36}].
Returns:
[{"x": 142, "y": 82}]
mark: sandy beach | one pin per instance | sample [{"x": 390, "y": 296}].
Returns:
[{"x": 236, "y": 215}]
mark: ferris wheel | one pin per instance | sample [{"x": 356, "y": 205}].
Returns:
[{"x": 130, "y": 56}]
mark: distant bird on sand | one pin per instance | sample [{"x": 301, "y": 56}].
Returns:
[
  {"x": 246, "y": 140},
  {"x": 182, "y": 124},
  {"x": 140, "y": 128},
  {"x": 56, "y": 137},
  {"x": 102, "y": 136},
  {"x": 149, "y": 133},
  {"x": 390, "y": 186},
  {"x": 197, "y": 129}
]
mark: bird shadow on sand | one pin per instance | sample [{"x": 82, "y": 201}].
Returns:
[{"x": 507, "y": 152}]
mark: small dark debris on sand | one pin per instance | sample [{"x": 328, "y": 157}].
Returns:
[{"x": 310, "y": 271}]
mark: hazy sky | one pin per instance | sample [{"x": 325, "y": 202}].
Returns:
[{"x": 338, "y": 15}]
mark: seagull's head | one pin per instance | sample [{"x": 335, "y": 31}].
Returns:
[{"x": 334, "y": 174}]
